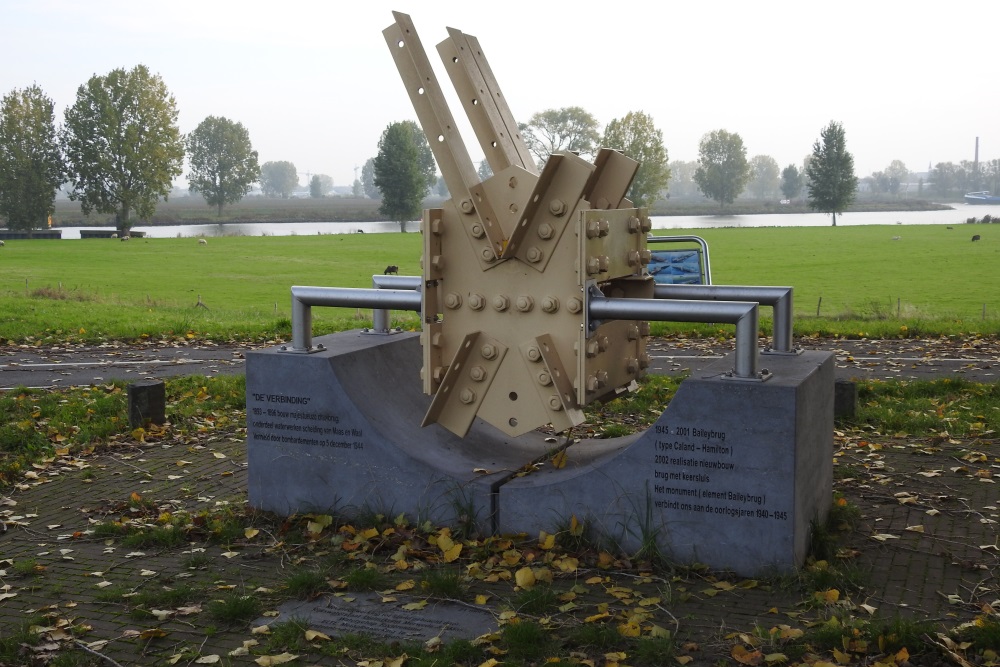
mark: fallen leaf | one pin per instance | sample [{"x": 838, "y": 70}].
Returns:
[
  {"x": 415, "y": 606},
  {"x": 208, "y": 659},
  {"x": 280, "y": 659}
]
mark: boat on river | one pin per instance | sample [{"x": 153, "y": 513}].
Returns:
[{"x": 981, "y": 198}]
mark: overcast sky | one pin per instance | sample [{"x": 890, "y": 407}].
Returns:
[{"x": 314, "y": 83}]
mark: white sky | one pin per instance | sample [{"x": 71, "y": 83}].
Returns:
[{"x": 314, "y": 83}]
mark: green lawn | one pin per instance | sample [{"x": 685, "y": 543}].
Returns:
[{"x": 935, "y": 277}]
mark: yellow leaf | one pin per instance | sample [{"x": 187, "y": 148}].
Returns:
[
  {"x": 415, "y": 606},
  {"x": 312, "y": 635},
  {"x": 250, "y": 533},
  {"x": 207, "y": 659},
  {"x": 444, "y": 542},
  {"x": 546, "y": 541},
  {"x": 524, "y": 577},
  {"x": 482, "y": 599},
  {"x": 405, "y": 585},
  {"x": 575, "y": 527},
  {"x": 270, "y": 660},
  {"x": 903, "y": 655},
  {"x": 398, "y": 662},
  {"x": 452, "y": 554},
  {"x": 630, "y": 629},
  {"x": 139, "y": 434},
  {"x": 596, "y": 617},
  {"x": 559, "y": 460},
  {"x": 152, "y": 633},
  {"x": 659, "y": 632},
  {"x": 745, "y": 657},
  {"x": 135, "y": 497},
  {"x": 683, "y": 659},
  {"x": 772, "y": 658},
  {"x": 492, "y": 662},
  {"x": 841, "y": 658},
  {"x": 915, "y": 529},
  {"x": 368, "y": 534}
]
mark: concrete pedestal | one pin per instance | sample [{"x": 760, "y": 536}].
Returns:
[{"x": 731, "y": 475}]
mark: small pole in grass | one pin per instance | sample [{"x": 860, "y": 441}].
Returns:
[{"x": 820, "y": 303}]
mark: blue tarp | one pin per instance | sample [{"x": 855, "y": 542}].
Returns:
[{"x": 676, "y": 267}]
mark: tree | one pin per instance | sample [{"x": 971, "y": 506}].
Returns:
[
  {"x": 357, "y": 189},
  {"x": 763, "y": 176},
  {"x": 320, "y": 185},
  {"x": 682, "y": 179},
  {"x": 898, "y": 175},
  {"x": 723, "y": 170},
  {"x": 425, "y": 157},
  {"x": 636, "y": 136},
  {"x": 399, "y": 175},
  {"x": 832, "y": 183},
  {"x": 791, "y": 182},
  {"x": 122, "y": 144},
  {"x": 31, "y": 164},
  {"x": 566, "y": 129},
  {"x": 485, "y": 171},
  {"x": 278, "y": 179},
  {"x": 368, "y": 180},
  {"x": 223, "y": 162}
]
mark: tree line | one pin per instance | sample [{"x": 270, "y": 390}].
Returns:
[{"x": 119, "y": 150}]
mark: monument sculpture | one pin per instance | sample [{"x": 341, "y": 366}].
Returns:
[{"x": 535, "y": 301}]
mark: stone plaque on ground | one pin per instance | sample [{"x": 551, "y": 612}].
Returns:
[{"x": 365, "y": 613}]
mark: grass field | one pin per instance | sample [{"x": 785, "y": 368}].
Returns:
[{"x": 933, "y": 280}]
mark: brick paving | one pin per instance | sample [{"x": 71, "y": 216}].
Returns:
[{"x": 926, "y": 546}]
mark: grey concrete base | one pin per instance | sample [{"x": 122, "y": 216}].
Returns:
[
  {"x": 339, "y": 431},
  {"x": 731, "y": 475}
]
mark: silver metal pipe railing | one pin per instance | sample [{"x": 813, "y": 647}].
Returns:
[
  {"x": 743, "y": 314},
  {"x": 779, "y": 298},
  {"x": 304, "y": 297},
  {"x": 382, "y": 317}
]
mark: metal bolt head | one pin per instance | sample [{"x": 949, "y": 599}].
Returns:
[
  {"x": 632, "y": 365},
  {"x": 467, "y": 206},
  {"x": 488, "y": 254},
  {"x": 501, "y": 303},
  {"x": 602, "y": 343},
  {"x": 632, "y": 332},
  {"x": 533, "y": 255},
  {"x": 633, "y": 225},
  {"x": 645, "y": 256},
  {"x": 632, "y": 258},
  {"x": 555, "y": 404},
  {"x": 437, "y": 339},
  {"x": 524, "y": 303},
  {"x": 592, "y": 384},
  {"x": 592, "y": 348},
  {"x": 477, "y": 301},
  {"x": 544, "y": 379},
  {"x": 557, "y": 207},
  {"x": 550, "y": 304},
  {"x": 602, "y": 378},
  {"x": 593, "y": 229},
  {"x": 574, "y": 305},
  {"x": 604, "y": 227},
  {"x": 643, "y": 328},
  {"x": 593, "y": 265},
  {"x": 488, "y": 351},
  {"x": 478, "y": 231},
  {"x": 467, "y": 396},
  {"x": 645, "y": 224},
  {"x": 437, "y": 261},
  {"x": 545, "y": 231},
  {"x": 534, "y": 354},
  {"x": 477, "y": 373},
  {"x": 512, "y": 182},
  {"x": 643, "y": 361},
  {"x": 453, "y": 300},
  {"x": 437, "y": 227},
  {"x": 439, "y": 372}
]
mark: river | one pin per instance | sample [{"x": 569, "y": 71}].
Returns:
[{"x": 689, "y": 223}]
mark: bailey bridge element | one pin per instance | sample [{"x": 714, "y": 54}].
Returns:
[{"x": 535, "y": 301}]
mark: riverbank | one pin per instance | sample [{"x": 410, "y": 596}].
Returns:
[{"x": 187, "y": 210}]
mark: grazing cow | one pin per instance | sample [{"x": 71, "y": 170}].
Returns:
[
  {"x": 976, "y": 237},
  {"x": 114, "y": 236},
  {"x": 126, "y": 237},
  {"x": 202, "y": 242},
  {"x": 392, "y": 268},
  {"x": 1, "y": 243}
]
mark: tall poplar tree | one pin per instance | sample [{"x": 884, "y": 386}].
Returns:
[
  {"x": 400, "y": 175},
  {"x": 830, "y": 174},
  {"x": 31, "y": 164}
]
